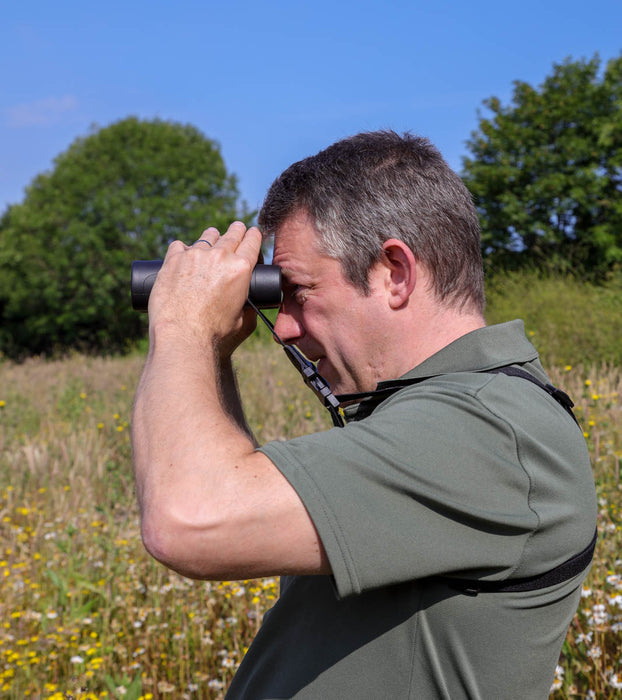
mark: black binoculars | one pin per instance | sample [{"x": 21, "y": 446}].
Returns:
[{"x": 264, "y": 291}]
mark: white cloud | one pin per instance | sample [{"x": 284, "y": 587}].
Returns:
[{"x": 45, "y": 112}]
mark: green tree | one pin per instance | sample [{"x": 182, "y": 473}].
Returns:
[
  {"x": 546, "y": 171},
  {"x": 121, "y": 193}
]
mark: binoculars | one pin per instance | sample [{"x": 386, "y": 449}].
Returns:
[{"x": 264, "y": 291}]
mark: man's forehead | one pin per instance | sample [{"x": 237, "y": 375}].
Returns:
[
  {"x": 297, "y": 250},
  {"x": 297, "y": 232}
]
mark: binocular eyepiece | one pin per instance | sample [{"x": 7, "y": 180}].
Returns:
[{"x": 264, "y": 291}]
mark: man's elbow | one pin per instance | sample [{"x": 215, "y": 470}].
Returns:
[{"x": 181, "y": 544}]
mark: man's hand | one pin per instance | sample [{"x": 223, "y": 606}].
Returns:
[{"x": 200, "y": 291}]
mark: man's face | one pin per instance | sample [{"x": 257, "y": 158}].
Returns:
[{"x": 324, "y": 315}]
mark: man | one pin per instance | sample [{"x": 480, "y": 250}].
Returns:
[{"x": 383, "y": 530}]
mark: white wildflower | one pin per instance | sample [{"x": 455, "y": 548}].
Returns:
[
  {"x": 615, "y": 580},
  {"x": 600, "y": 616},
  {"x": 615, "y": 681},
  {"x": 595, "y": 652},
  {"x": 559, "y": 677}
]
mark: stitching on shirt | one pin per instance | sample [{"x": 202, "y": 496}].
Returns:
[
  {"x": 343, "y": 541},
  {"x": 530, "y": 479},
  {"x": 450, "y": 386}
]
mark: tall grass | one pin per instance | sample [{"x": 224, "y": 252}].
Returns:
[
  {"x": 569, "y": 320},
  {"x": 86, "y": 613}
]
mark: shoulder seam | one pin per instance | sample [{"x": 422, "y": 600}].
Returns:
[{"x": 529, "y": 477}]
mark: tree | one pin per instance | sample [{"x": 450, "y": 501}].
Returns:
[
  {"x": 121, "y": 193},
  {"x": 546, "y": 171}
]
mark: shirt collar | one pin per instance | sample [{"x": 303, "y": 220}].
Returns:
[{"x": 480, "y": 350}]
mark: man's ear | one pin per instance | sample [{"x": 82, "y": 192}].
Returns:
[{"x": 401, "y": 276}]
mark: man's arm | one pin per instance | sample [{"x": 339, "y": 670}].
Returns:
[
  {"x": 230, "y": 396},
  {"x": 211, "y": 506}
]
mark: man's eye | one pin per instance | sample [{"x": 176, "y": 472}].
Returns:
[{"x": 299, "y": 293}]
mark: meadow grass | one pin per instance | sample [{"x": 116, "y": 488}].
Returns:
[
  {"x": 86, "y": 613},
  {"x": 570, "y": 321}
]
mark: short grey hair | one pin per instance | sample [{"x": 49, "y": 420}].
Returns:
[{"x": 366, "y": 189}]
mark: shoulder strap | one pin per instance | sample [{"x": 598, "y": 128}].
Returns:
[
  {"x": 564, "y": 572},
  {"x": 560, "y": 396},
  {"x": 370, "y": 400}
]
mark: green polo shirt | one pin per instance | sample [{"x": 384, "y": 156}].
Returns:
[{"x": 465, "y": 474}]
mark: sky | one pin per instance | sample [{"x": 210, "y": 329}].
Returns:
[{"x": 273, "y": 82}]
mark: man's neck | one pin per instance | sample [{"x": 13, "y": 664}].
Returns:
[{"x": 432, "y": 332}]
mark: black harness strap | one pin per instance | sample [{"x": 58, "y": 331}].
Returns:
[
  {"x": 560, "y": 396},
  {"x": 370, "y": 400},
  {"x": 565, "y": 571}
]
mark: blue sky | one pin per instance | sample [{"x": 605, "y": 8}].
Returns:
[{"x": 274, "y": 82}]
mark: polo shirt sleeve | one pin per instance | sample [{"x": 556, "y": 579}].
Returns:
[{"x": 429, "y": 484}]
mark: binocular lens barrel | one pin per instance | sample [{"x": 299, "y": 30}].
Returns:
[{"x": 264, "y": 291}]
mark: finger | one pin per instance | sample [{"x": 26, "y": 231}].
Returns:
[
  {"x": 249, "y": 247},
  {"x": 234, "y": 234},
  {"x": 211, "y": 235},
  {"x": 202, "y": 240},
  {"x": 175, "y": 248}
]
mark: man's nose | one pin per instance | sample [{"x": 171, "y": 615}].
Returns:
[{"x": 287, "y": 326}]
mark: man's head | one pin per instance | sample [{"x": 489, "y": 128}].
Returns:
[{"x": 367, "y": 189}]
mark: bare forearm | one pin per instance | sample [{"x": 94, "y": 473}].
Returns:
[
  {"x": 211, "y": 505},
  {"x": 230, "y": 396},
  {"x": 184, "y": 434}
]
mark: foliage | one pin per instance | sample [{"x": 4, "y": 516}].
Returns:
[
  {"x": 546, "y": 171},
  {"x": 122, "y": 193},
  {"x": 568, "y": 320}
]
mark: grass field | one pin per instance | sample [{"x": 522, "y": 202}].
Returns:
[{"x": 85, "y": 612}]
